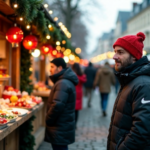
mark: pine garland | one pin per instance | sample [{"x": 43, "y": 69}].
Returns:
[
  {"x": 27, "y": 140},
  {"x": 30, "y": 11},
  {"x": 25, "y": 83}
]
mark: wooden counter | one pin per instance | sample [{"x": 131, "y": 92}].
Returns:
[{"x": 9, "y": 136}]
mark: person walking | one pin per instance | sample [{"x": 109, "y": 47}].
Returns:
[
  {"x": 90, "y": 73},
  {"x": 60, "y": 117},
  {"x": 130, "y": 121},
  {"x": 104, "y": 79},
  {"x": 79, "y": 92}
]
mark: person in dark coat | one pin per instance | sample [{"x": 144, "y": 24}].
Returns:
[
  {"x": 130, "y": 121},
  {"x": 90, "y": 73},
  {"x": 79, "y": 93},
  {"x": 60, "y": 117}
]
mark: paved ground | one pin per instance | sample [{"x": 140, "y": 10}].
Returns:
[{"x": 92, "y": 128}]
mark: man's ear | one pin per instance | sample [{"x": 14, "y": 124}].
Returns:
[
  {"x": 134, "y": 59},
  {"x": 60, "y": 68}
]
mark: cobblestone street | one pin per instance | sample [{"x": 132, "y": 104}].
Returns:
[{"x": 92, "y": 127}]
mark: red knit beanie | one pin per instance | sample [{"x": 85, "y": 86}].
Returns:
[{"x": 132, "y": 43}]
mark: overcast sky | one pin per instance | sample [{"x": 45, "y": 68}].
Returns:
[{"x": 106, "y": 20}]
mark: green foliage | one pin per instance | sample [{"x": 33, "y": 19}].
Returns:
[
  {"x": 30, "y": 11},
  {"x": 27, "y": 140},
  {"x": 25, "y": 83}
]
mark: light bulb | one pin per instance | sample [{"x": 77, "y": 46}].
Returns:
[
  {"x": 46, "y": 5},
  {"x": 50, "y": 12}
]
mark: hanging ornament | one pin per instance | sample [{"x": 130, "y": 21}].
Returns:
[
  {"x": 59, "y": 54},
  {"x": 30, "y": 42},
  {"x": 46, "y": 48},
  {"x": 14, "y": 35},
  {"x": 54, "y": 52}
]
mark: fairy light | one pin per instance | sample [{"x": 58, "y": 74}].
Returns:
[
  {"x": 57, "y": 43},
  {"x": 21, "y": 18},
  {"x": 28, "y": 26},
  {"x": 78, "y": 50},
  {"x": 50, "y": 12},
  {"x": 15, "y": 5},
  {"x": 63, "y": 42},
  {"x": 49, "y": 26},
  {"x": 46, "y": 5},
  {"x": 60, "y": 23},
  {"x": 48, "y": 37},
  {"x": 56, "y": 19}
]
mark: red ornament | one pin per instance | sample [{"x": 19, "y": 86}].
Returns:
[
  {"x": 46, "y": 48},
  {"x": 14, "y": 35},
  {"x": 54, "y": 53},
  {"x": 59, "y": 54},
  {"x": 30, "y": 42}
]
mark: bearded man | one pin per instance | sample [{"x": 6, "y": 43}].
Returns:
[{"x": 130, "y": 121}]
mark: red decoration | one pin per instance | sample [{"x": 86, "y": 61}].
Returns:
[
  {"x": 46, "y": 48},
  {"x": 30, "y": 42},
  {"x": 14, "y": 35},
  {"x": 54, "y": 53},
  {"x": 59, "y": 54}
]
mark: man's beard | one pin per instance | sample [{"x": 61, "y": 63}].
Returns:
[{"x": 124, "y": 64}]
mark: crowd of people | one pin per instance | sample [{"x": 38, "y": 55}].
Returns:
[{"x": 129, "y": 127}]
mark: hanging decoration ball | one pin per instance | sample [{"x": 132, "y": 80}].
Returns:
[
  {"x": 14, "y": 35},
  {"x": 46, "y": 48},
  {"x": 30, "y": 42},
  {"x": 59, "y": 54},
  {"x": 54, "y": 53}
]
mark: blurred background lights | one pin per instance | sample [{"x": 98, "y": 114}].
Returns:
[
  {"x": 36, "y": 53},
  {"x": 78, "y": 50},
  {"x": 46, "y": 5},
  {"x": 50, "y": 12},
  {"x": 66, "y": 59}
]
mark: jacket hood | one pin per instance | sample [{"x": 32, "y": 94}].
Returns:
[
  {"x": 65, "y": 74},
  {"x": 82, "y": 78},
  {"x": 140, "y": 67},
  {"x": 106, "y": 70}
]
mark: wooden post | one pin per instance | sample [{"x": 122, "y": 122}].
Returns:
[
  {"x": 15, "y": 65},
  {"x": 42, "y": 70}
]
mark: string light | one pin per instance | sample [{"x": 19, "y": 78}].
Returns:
[
  {"x": 48, "y": 37},
  {"x": 63, "y": 42},
  {"x": 21, "y": 18},
  {"x": 66, "y": 59},
  {"x": 15, "y": 5},
  {"x": 46, "y": 5},
  {"x": 28, "y": 26},
  {"x": 49, "y": 26},
  {"x": 50, "y": 12},
  {"x": 58, "y": 48},
  {"x": 56, "y": 19},
  {"x": 36, "y": 53},
  {"x": 57, "y": 43},
  {"x": 78, "y": 50},
  {"x": 60, "y": 23}
]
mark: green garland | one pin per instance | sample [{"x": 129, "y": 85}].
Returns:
[
  {"x": 25, "y": 83},
  {"x": 30, "y": 11},
  {"x": 26, "y": 140}
]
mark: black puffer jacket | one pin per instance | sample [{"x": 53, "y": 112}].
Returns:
[
  {"x": 130, "y": 121},
  {"x": 60, "y": 118}
]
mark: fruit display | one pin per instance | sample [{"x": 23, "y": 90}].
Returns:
[
  {"x": 4, "y": 103},
  {"x": 9, "y": 91},
  {"x": 36, "y": 99},
  {"x": 3, "y": 121},
  {"x": 40, "y": 86}
]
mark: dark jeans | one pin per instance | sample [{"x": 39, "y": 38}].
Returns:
[
  {"x": 104, "y": 100},
  {"x": 59, "y": 147},
  {"x": 76, "y": 116}
]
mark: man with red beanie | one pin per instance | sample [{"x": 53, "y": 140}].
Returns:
[{"x": 130, "y": 121}]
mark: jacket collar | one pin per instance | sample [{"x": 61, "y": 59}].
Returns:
[{"x": 127, "y": 74}]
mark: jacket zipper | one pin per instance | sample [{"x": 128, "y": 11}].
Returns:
[
  {"x": 112, "y": 118},
  {"x": 119, "y": 142}
]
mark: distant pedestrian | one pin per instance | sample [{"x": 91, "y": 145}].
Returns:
[
  {"x": 60, "y": 117},
  {"x": 130, "y": 121},
  {"x": 104, "y": 79},
  {"x": 90, "y": 73},
  {"x": 79, "y": 93}
]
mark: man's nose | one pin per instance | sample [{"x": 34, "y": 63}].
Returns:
[{"x": 115, "y": 56}]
